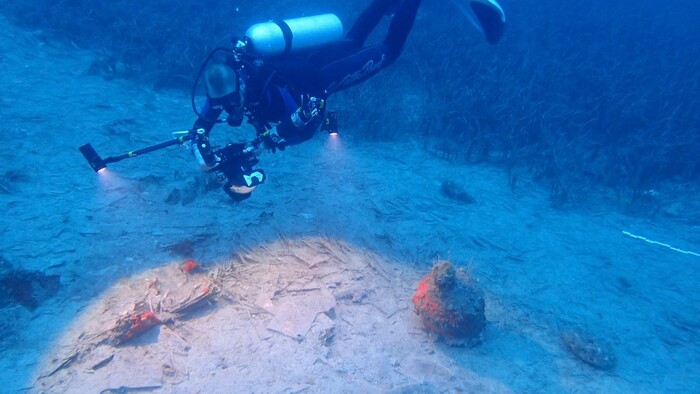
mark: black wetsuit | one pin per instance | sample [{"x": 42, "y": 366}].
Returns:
[{"x": 274, "y": 93}]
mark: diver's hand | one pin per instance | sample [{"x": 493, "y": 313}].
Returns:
[
  {"x": 274, "y": 141},
  {"x": 310, "y": 109},
  {"x": 207, "y": 159}
]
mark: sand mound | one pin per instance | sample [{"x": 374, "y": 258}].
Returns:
[{"x": 342, "y": 314}]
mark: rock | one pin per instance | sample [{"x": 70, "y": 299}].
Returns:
[
  {"x": 27, "y": 288},
  {"x": 173, "y": 197},
  {"x": 451, "y": 305},
  {"x": 323, "y": 328},
  {"x": 674, "y": 210},
  {"x": 456, "y": 192},
  {"x": 591, "y": 351}
]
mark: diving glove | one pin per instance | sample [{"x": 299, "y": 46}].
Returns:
[
  {"x": 311, "y": 108},
  {"x": 274, "y": 141},
  {"x": 207, "y": 159}
]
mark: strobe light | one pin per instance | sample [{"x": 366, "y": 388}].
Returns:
[{"x": 95, "y": 161}]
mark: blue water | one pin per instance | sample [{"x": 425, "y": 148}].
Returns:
[{"x": 595, "y": 102}]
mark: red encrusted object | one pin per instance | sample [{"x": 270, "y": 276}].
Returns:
[
  {"x": 451, "y": 305},
  {"x": 140, "y": 323},
  {"x": 132, "y": 325},
  {"x": 189, "y": 266}
]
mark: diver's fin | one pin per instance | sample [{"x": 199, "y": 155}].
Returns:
[{"x": 486, "y": 15}]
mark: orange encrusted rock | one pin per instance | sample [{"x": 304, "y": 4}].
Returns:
[
  {"x": 189, "y": 266},
  {"x": 451, "y": 305}
]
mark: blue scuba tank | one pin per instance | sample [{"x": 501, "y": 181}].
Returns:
[{"x": 292, "y": 35}]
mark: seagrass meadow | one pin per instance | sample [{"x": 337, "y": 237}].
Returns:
[{"x": 594, "y": 99}]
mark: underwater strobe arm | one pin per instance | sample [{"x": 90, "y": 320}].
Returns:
[{"x": 98, "y": 163}]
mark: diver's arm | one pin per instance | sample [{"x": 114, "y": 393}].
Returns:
[
  {"x": 293, "y": 135},
  {"x": 201, "y": 147},
  {"x": 303, "y": 123}
]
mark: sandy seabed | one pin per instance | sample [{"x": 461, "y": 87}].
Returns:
[{"x": 316, "y": 271}]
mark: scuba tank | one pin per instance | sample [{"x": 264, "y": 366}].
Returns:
[{"x": 291, "y": 35}]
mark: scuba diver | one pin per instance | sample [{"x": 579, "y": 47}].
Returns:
[{"x": 281, "y": 74}]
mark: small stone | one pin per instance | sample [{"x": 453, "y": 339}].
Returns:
[
  {"x": 593, "y": 352},
  {"x": 173, "y": 197},
  {"x": 456, "y": 192}
]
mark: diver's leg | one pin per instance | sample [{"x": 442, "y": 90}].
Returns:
[
  {"x": 359, "y": 65},
  {"x": 368, "y": 20},
  {"x": 401, "y": 25}
]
